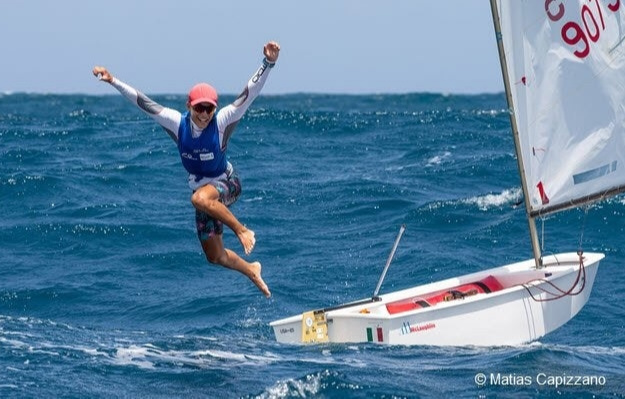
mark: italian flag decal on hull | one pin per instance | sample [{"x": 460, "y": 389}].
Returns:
[{"x": 375, "y": 335}]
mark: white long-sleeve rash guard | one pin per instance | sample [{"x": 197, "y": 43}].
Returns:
[{"x": 227, "y": 117}]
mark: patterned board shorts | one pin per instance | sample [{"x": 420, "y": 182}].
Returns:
[{"x": 229, "y": 191}]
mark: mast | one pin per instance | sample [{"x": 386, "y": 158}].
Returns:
[{"x": 515, "y": 133}]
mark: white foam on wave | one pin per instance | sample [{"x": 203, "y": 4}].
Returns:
[
  {"x": 13, "y": 343},
  {"x": 483, "y": 202},
  {"x": 489, "y": 201},
  {"x": 307, "y": 387},
  {"x": 255, "y": 199},
  {"x": 147, "y": 356},
  {"x": 438, "y": 159},
  {"x": 133, "y": 355},
  {"x": 198, "y": 337},
  {"x": 617, "y": 351}
]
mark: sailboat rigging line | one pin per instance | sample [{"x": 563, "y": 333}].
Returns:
[
  {"x": 542, "y": 235},
  {"x": 581, "y": 234},
  {"x": 581, "y": 273}
]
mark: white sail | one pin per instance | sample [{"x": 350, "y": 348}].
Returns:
[{"x": 566, "y": 70}]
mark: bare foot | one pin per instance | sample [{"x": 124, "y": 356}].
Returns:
[
  {"x": 258, "y": 280},
  {"x": 247, "y": 240}
]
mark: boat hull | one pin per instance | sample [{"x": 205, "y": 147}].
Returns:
[{"x": 523, "y": 306}]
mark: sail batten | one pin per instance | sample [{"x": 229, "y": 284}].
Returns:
[{"x": 565, "y": 71}]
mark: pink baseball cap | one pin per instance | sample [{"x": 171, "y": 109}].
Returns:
[{"x": 203, "y": 93}]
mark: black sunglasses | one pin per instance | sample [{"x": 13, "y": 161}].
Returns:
[{"x": 199, "y": 108}]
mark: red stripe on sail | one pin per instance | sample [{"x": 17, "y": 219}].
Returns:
[{"x": 543, "y": 195}]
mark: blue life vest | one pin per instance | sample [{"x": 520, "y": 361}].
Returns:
[{"x": 201, "y": 156}]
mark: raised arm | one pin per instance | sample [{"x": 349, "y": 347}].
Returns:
[
  {"x": 229, "y": 116},
  {"x": 168, "y": 118}
]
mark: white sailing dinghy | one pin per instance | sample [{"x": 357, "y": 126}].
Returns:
[{"x": 563, "y": 65}]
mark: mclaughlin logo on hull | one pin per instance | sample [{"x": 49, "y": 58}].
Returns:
[{"x": 408, "y": 329}]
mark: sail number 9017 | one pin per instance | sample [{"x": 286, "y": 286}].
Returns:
[{"x": 591, "y": 17}]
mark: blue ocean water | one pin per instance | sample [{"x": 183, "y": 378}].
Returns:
[{"x": 105, "y": 292}]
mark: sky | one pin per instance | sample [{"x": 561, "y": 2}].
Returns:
[{"x": 327, "y": 46}]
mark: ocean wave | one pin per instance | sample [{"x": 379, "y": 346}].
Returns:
[
  {"x": 489, "y": 201},
  {"x": 438, "y": 159},
  {"x": 484, "y": 202},
  {"x": 307, "y": 386}
]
